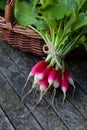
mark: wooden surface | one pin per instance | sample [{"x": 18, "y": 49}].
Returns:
[{"x": 14, "y": 69}]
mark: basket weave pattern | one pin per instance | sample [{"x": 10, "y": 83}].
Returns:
[{"x": 25, "y": 39}]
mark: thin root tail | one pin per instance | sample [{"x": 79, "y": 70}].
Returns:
[
  {"x": 64, "y": 97},
  {"x": 26, "y": 83}
]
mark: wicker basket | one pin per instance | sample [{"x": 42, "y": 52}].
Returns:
[{"x": 25, "y": 39}]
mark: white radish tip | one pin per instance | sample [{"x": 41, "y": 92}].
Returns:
[
  {"x": 42, "y": 88},
  {"x": 56, "y": 84},
  {"x": 31, "y": 74},
  {"x": 71, "y": 82},
  {"x": 50, "y": 82},
  {"x": 64, "y": 89},
  {"x": 40, "y": 76}
]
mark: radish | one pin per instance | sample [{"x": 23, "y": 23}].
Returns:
[
  {"x": 57, "y": 81},
  {"x": 38, "y": 67},
  {"x": 64, "y": 86},
  {"x": 70, "y": 79},
  {"x": 44, "y": 86},
  {"x": 41, "y": 65},
  {"x": 52, "y": 76},
  {"x": 44, "y": 73}
]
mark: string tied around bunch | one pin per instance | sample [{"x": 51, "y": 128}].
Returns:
[{"x": 53, "y": 53}]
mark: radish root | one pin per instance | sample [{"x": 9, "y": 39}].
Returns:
[
  {"x": 26, "y": 83},
  {"x": 64, "y": 97}
]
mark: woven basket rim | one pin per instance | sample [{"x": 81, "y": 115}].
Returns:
[{"x": 20, "y": 29}]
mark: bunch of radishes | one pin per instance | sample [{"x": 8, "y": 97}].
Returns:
[{"x": 46, "y": 76}]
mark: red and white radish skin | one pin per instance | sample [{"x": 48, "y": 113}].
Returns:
[
  {"x": 38, "y": 67},
  {"x": 57, "y": 81},
  {"x": 64, "y": 86},
  {"x": 52, "y": 76},
  {"x": 44, "y": 73},
  {"x": 44, "y": 85},
  {"x": 69, "y": 77}
]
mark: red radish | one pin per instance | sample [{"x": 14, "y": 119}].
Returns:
[
  {"x": 69, "y": 77},
  {"x": 56, "y": 84},
  {"x": 64, "y": 86},
  {"x": 38, "y": 67},
  {"x": 41, "y": 65},
  {"x": 57, "y": 81},
  {"x": 44, "y": 73},
  {"x": 44, "y": 85},
  {"x": 52, "y": 76}
]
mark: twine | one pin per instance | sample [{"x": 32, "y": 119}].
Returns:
[{"x": 53, "y": 53}]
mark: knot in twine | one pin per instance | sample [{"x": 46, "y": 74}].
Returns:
[{"x": 53, "y": 53}]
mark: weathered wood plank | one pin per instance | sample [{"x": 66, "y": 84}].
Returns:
[
  {"x": 18, "y": 57},
  {"x": 75, "y": 113},
  {"x": 69, "y": 113},
  {"x": 15, "y": 77},
  {"x": 4, "y": 122},
  {"x": 80, "y": 101},
  {"x": 9, "y": 102}
]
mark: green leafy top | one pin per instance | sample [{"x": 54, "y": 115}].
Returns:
[{"x": 66, "y": 20}]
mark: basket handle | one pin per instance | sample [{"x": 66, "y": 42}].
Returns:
[{"x": 9, "y": 13}]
